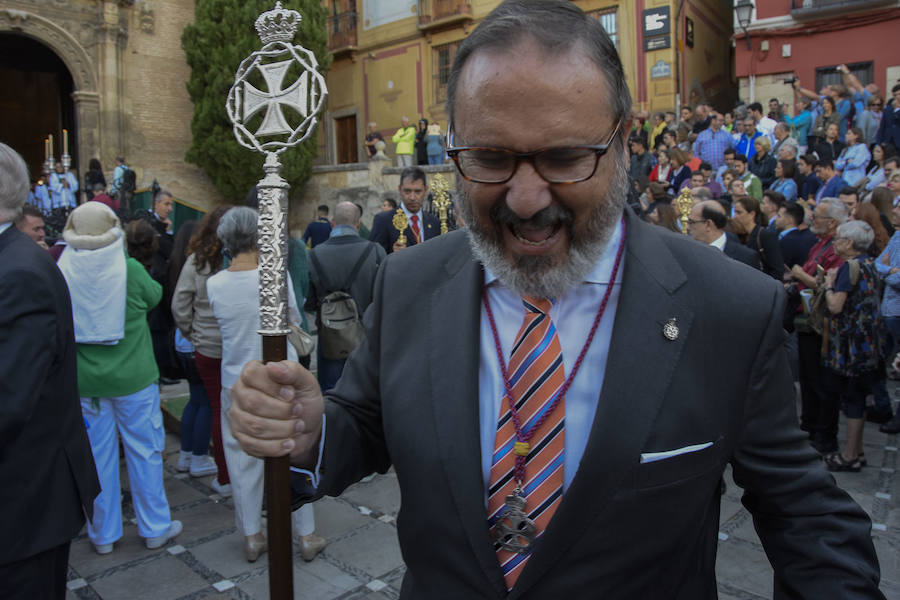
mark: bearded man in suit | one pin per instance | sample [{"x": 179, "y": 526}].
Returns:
[
  {"x": 501, "y": 497},
  {"x": 46, "y": 465}
]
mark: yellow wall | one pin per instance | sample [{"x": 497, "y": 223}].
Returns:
[
  {"x": 707, "y": 75},
  {"x": 390, "y": 72}
]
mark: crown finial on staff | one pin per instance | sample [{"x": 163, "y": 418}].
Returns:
[{"x": 278, "y": 24}]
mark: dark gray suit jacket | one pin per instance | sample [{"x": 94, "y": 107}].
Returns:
[
  {"x": 409, "y": 398},
  {"x": 741, "y": 253},
  {"x": 47, "y": 476}
]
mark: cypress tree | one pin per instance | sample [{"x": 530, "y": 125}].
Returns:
[{"x": 222, "y": 35}]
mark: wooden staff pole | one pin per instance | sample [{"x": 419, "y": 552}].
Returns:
[{"x": 278, "y": 499}]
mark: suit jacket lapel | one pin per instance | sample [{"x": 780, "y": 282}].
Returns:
[
  {"x": 454, "y": 321},
  {"x": 629, "y": 399}
]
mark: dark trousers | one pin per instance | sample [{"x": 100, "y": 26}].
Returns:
[
  {"x": 820, "y": 403},
  {"x": 210, "y": 371},
  {"x": 164, "y": 352},
  {"x": 38, "y": 577}
]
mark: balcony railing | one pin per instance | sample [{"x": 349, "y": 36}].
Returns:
[
  {"x": 342, "y": 31},
  {"x": 434, "y": 13},
  {"x": 814, "y": 8}
]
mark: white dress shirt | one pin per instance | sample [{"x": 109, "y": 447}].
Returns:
[
  {"x": 719, "y": 242},
  {"x": 573, "y": 315}
]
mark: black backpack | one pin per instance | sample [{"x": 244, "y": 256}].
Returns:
[
  {"x": 129, "y": 181},
  {"x": 338, "y": 320}
]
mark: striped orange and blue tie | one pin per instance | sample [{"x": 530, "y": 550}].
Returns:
[{"x": 536, "y": 377}]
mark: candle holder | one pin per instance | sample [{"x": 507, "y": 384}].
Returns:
[{"x": 66, "y": 162}]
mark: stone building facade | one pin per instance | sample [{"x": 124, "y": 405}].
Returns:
[{"x": 128, "y": 85}]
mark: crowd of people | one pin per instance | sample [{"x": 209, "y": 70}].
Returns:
[
  {"x": 813, "y": 204},
  {"x": 150, "y": 306},
  {"x": 414, "y": 145}
]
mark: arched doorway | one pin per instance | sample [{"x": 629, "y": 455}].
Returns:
[{"x": 36, "y": 100}]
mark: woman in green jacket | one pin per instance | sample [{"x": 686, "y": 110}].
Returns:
[{"x": 117, "y": 374}]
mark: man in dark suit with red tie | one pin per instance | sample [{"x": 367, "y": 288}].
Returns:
[
  {"x": 422, "y": 225},
  {"x": 47, "y": 471}
]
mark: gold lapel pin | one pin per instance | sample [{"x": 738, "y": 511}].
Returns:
[{"x": 670, "y": 330}]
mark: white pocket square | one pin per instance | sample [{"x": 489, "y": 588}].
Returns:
[{"x": 649, "y": 457}]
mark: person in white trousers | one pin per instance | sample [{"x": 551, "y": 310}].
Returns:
[{"x": 234, "y": 298}]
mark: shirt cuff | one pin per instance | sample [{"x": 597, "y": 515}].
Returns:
[{"x": 315, "y": 474}]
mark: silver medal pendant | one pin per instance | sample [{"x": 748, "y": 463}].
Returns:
[{"x": 514, "y": 531}]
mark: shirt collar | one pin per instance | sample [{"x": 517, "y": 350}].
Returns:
[
  {"x": 786, "y": 231},
  {"x": 409, "y": 213},
  {"x": 5, "y": 226},
  {"x": 602, "y": 268},
  {"x": 719, "y": 242},
  {"x": 343, "y": 230}
]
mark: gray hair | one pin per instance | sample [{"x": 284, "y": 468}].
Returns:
[
  {"x": 790, "y": 145},
  {"x": 701, "y": 193},
  {"x": 238, "y": 229},
  {"x": 13, "y": 184},
  {"x": 346, "y": 213},
  {"x": 859, "y": 233},
  {"x": 159, "y": 196},
  {"x": 835, "y": 209},
  {"x": 558, "y": 26}
]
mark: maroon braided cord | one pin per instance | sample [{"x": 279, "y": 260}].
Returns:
[{"x": 525, "y": 436}]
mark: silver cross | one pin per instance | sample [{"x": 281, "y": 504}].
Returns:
[{"x": 295, "y": 97}]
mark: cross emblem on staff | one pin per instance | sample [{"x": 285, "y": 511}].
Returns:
[{"x": 295, "y": 97}]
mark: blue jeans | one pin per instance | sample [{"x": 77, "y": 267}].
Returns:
[
  {"x": 197, "y": 417},
  {"x": 435, "y": 159},
  {"x": 328, "y": 370}
]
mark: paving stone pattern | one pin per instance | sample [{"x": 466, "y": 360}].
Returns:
[{"x": 363, "y": 560}]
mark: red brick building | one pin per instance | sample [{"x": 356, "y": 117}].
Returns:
[{"x": 809, "y": 38}]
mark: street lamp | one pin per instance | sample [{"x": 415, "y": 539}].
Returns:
[{"x": 744, "y": 9}]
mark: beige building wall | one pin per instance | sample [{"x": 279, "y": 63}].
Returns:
[
  {"x": 157, "y": 110},
  {"x": 129, "y": 75}
]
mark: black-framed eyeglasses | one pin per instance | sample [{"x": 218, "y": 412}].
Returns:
[{"x": 562, "y": 164}]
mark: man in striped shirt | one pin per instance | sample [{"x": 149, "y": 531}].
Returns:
[{"x": 713, "y": 141}]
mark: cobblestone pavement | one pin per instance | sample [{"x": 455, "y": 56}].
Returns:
[{"x": 363, "y": 561}]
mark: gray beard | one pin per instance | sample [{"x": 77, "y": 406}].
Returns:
[{"x": 540, "y": 276}]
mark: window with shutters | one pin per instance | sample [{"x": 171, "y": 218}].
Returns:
[{"x": 443, "y": 60}]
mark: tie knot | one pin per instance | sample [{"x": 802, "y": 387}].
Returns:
[{"x": 537, "y": 305}]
